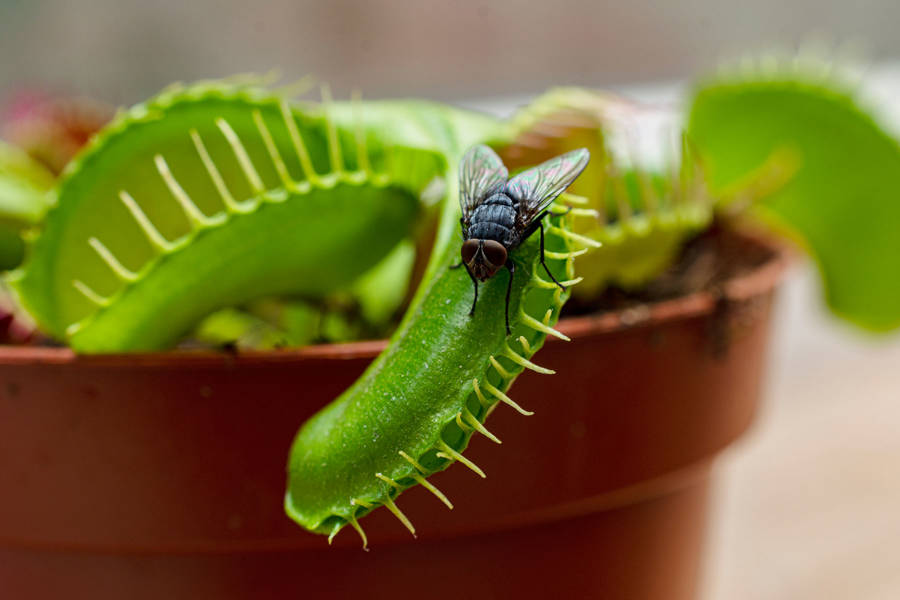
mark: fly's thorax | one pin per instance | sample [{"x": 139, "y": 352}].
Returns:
[{"x": 494, "y": 219}]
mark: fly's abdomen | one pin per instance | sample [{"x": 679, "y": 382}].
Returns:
[{"x": 493, "y": 219}]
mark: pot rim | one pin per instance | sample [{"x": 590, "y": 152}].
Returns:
[{"x": 743, "y": 287}]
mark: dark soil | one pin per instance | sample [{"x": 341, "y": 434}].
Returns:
[{"x": 705, "y": 263}]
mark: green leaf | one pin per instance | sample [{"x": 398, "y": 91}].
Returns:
[
  {"x": 244, "y": 330},
  {"x": 25, "y": 197},
  {"x": 381, "y": 290},
  {"x": 210, "y": 196},
  {"x": 843, "y": 202},
  {"x": 416, "y": 407},
  {"x": 24, "y": 187}
]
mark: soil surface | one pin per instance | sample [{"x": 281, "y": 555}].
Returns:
[{"x": 705, "y": 263}]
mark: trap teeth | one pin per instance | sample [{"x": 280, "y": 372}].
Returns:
[
  {"x": 499, "y": 368},
  {"x": 506, "y": 399},
  {"x": 539, "y": 326},
  {"x": 242, "y": 156},
  {"x": 480, "y": 428},
  {"x": 431, "y": 488},
  {"x": 524, "y": 362},
  {"x": 565, "y": 255},
  {"x": 90, "y": 294},
  {"x": 413, "y": 462},
  {"x": 571, "y": 235},
  {"x": 388, "y": 481},
  {"x": 570, "y": 198},
  {"x": 389, "y": 504},
  {"x": 451, "y": 454},
  {"x": 362, "y": 534},
  {"x": 156, "y": 239}
]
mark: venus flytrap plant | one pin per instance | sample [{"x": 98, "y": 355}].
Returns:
[
  {"x": 781, "y": 140},
  {"x": 216, "y": 194},
  {"x": 351, "y": 458},
  {"x": 642, "y": 223},
  {"x": 413, "y": 411}
]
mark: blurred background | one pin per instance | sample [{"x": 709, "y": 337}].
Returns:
[
  {"x": 808, "y": 501},
  {"x": 125, "y": 50}
]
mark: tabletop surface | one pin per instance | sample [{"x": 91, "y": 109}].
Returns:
[{"x": 806, "y": 504}]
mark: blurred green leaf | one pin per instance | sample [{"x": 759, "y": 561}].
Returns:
[
  {"x": 232, "y": 326},
  {"x": 24, "y": 199},
  {"x": 24, "y": 186},
  {"x": 381, "y": 290},
  {"x": 843, "y": 202}
]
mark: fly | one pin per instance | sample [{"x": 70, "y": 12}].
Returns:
[{"x": 499, "y": 213}]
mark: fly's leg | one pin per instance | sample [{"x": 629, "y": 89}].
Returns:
[
  {"x": 474, "y": 283},
  {"x": 538, "y": 223},
  {"x": 511, "y": 267},
  {"x": 462, "y": 223},
  {"x": 546, "y": 268}
]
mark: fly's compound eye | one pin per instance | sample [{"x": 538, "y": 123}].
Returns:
[
  {"x": 469, "y": 249},
  {"x": 495, "y": 253}
]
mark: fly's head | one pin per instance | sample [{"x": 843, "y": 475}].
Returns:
[{"x": 483, "y": 257}]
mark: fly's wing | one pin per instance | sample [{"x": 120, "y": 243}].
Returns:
[
  {"x": 537, "y": 187},
  {"x": 481, "y": 173}
]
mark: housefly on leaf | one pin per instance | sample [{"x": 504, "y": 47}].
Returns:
[{"x": 499, "y": 213}]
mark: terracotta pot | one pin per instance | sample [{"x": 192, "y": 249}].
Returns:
[{"x": 162, "y": 476}]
